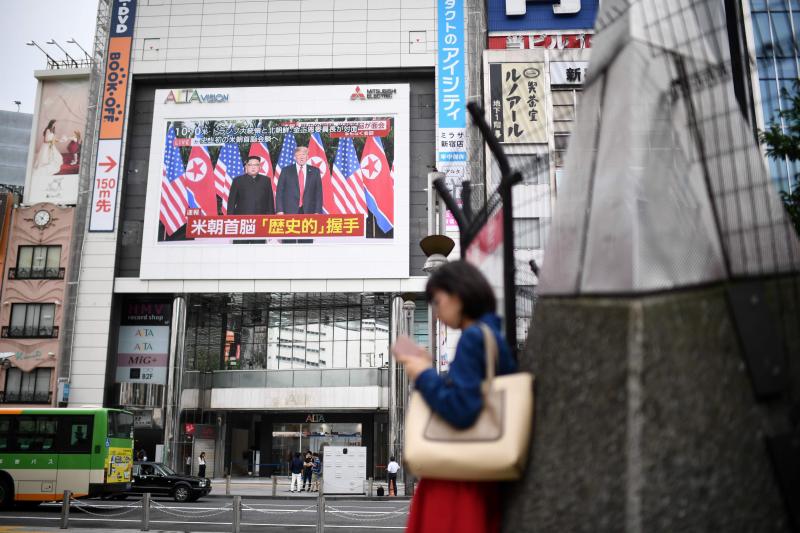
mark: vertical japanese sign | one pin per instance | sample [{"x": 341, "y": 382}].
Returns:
[
  {"x": 112, "y": 116},
  {"x": 451, "y": 96},
  {"x": 517, "y": 102}
]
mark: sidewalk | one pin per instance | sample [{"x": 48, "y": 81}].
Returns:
[
  {"x": 261, "y": 487},
  {"x": 27, "y": 529}
]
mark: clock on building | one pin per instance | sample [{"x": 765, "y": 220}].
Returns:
[{"x": 41, "y": 218}]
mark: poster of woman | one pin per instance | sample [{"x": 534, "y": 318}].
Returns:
[{"x": 57, "y": 141}]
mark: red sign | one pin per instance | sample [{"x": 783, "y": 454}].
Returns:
[
  {"x": 266, "y": 226},
  {"x": 541, "y": 40}
]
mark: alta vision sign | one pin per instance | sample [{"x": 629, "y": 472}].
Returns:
[{"x": 189, "y": 96}]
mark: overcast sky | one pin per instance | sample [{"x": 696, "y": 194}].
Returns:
[{"x": 42, "y": 20}]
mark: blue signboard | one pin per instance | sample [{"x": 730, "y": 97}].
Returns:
[
  {"x": 541, "y": 15},
  {"x": 123, "y": 15},
  {"x": 451, "y": 81}
]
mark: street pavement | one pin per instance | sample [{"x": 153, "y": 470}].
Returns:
[
  {"x": 214, "y": 514},
  {"x": 262, "y": 487}
]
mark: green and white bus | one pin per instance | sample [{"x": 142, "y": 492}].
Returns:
[{"x": 44, "y": 452}]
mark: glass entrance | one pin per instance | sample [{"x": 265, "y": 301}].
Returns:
[{"x": 290, "y": 438}]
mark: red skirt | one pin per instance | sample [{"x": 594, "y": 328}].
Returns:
[{"x": 441, "y": 506}]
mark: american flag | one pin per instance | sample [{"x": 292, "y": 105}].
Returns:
[
  {"x": 287, "y": 153},
  {"x": 174, "y": 201},
  {"x": 229, "y": 165},
  {"x": 348, "y": 187}
]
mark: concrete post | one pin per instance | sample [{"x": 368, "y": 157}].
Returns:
[
  {"x": 146, "y": 512},
  {"x": 237, "y": 514},
  {"x": 274, "y": 484},
  {"x": 65, "y": 510},
  {"x": 321, "y": 508},
  {"x": 397, "y": 328},
  {"x": 408, "y": 308},
  {"x": 175, "y": 382},
  {"x": 228, "y": 485}
]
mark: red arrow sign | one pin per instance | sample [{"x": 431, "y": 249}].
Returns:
[{"x": 109, "y": 163}]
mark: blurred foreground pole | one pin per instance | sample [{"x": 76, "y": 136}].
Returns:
[{"x": 666, "y": 333}]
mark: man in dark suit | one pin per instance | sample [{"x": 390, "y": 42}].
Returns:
[
  {"x": 251, "y": 193},
  {"x": 299, "y": 187}
]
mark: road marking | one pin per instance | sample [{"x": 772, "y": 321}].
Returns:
[{"x": 139, "y": 521}]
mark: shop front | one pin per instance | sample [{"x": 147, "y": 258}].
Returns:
[{"x": 261, "y": 443}]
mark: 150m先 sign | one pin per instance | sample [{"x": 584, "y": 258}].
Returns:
[{"x": 112, "y": 116}]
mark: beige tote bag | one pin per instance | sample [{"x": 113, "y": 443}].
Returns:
[{"x": 495, "y": 448}]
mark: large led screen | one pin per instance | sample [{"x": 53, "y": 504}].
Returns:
[{"x": 278, "y": 182}]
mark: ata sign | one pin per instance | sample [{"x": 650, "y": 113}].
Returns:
[{"x": 190, "y": 96}]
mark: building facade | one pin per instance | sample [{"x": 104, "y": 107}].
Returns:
[
  {"x": 37, "y": 237},
  {"x": 533, "y": 72},
  {"x": 257, "y": 344}
]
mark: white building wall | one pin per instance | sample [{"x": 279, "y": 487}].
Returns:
[
  {"x": 184, "y": 36},
  {"x": 235, "y": 35}
]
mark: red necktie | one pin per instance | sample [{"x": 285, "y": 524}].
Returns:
[{"x": 302, "y": 178}]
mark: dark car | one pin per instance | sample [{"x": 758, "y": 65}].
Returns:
[{"x": 157, "y": 478}]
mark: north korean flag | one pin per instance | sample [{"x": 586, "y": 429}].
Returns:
[
  {"x": 378, "y": 183},
  {"x": 261, "y": 150},
  {"x": 199, "y": 177},
  {"x": 317, "y": 158}
]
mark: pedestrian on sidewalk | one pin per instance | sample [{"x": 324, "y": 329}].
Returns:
[
  {"x": 201, "y": 469},
  {"x": 296, "y": 468},
  {"x": 316, "y": 472},
  {"x": 391, "y": 470},
  {"x": 189, "y": 465},
  {"x": 308, "y": 465},
  {"x": 462, "y": 299}
]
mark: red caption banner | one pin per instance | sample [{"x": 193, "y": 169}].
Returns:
[{"x": 264, "y": 226}]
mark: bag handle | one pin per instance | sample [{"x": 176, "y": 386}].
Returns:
[{"x": 490, "y": 347}]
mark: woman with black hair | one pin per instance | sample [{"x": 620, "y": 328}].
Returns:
[
  {"x": 49, "y": 159},
  {"x": 462, "y": 299}
]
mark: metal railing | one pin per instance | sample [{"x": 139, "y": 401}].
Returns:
[
  {"x": 29, "y": 332},
  {"x": 26, "y": 396},
  {"x": 235, "y": 508},
  {"x": 36, "y": 273}
]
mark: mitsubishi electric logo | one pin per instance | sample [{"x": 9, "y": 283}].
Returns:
[
  {"x": 562, "y": 7},
  {"x": 357, "y": 94},
  {"x": 373, "y": 94}
]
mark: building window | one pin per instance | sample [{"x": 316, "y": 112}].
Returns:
[
  {"x": 27, "y": 387},
  {"x": 776, "y": 34},
  {"x": 32, "y": 321},
  {"x": 565, "y": 101},
  {"x": 285, "y": 331},
  {"x": 535, "y": 168},
  {"x": 38, "y": 262},
  {"x": 527, "y": 234}
]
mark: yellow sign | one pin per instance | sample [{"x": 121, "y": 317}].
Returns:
[{"x": 119, "y": 463}]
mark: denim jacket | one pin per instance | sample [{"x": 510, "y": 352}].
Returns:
[{"x": 457, "y": 397}]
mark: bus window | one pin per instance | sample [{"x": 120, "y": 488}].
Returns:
[
  {"x": 5, "y": 432},
  {"x": 76, "y": 436},
  {"x": 120, "y": 425},
  {"x": 37, "y": 433}
]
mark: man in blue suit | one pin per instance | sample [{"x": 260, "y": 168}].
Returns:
[{"x": 299, "y": 187}]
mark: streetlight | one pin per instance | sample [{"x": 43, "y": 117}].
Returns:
[
  {"x": 50, "y": 60},
  {"x": 73, "y": 41},
  {"x": 18, "y": 103},
  {"x": 53, "y": 41}
]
